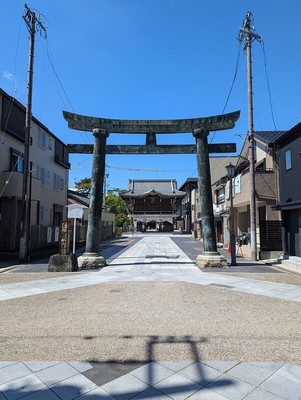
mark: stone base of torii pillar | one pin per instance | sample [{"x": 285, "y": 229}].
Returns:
[
  {"x": 91, "y": 261},
  {"x": 211, "y": 260}
]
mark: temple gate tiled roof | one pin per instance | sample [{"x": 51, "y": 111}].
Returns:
[{"x": 144, "y": 188}]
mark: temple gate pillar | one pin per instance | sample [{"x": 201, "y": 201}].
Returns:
[
  {"x": 210, "y": 257},
  {"x": 91, "y": 258}
]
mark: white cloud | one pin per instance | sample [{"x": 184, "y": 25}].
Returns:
[{"x": 8, "y": 75}]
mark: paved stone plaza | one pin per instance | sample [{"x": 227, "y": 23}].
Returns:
[{"x": 149, "y": 325}]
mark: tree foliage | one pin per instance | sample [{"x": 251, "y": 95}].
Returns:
[
  {"x": 113, "y": 202},
  {"x": 84, "y": 186},
  {"x": 116, "y": 205}
]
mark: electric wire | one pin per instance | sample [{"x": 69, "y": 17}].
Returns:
[
  {"x": 148, "y": 170},
  {"x": 10, "y": 175},
  {"x": 234, "y": 77},
  {"x": 86, "y": 138},
  {"x": 268, "y": 83},
  {"x": 48, "y": 52},
  {"x": 232, "y": 84},
  {"x": 43, "y": 84},
  {"x": 136, "y": 169},
  {"x": 8, "y": 111},
  {"x": 77, "y": 165},
  {"x": 57, "y": 80}
]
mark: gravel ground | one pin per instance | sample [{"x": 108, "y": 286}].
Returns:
[{"x": 151, "y": 320}]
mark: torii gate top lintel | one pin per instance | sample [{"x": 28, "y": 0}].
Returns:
[{"x": 212, "y": 123}]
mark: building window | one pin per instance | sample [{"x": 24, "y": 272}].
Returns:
[
  {"x": 57, "y": 214},
  {"x": 220, "y": 196},
  {"x": 58, "y": 182},
  {"x": 42, "y": 139},
  {"x": 41, "y": 174},
  {"x": 57, "y": 218},
  {"x": 16, "y": 161},
  {"x": 288, "y": 159},
  {"x": 237, "y": 184},
  {"x": 61, "y": 154}
]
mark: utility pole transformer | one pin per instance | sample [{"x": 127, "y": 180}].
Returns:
[
  {"x": 33, "y": 25},
  {"x": 248, "y": 32}
]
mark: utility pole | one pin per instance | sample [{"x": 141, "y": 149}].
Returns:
[
  {"x": 33, "y": 25},
  {"x": 248, "y": 32}
]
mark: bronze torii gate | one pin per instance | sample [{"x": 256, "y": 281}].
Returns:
[{"x": 200, "y": 128}]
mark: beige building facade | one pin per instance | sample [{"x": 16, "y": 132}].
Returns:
[
  {"x": 48, "y": 178},
  {"x": 268, "y": 222}
]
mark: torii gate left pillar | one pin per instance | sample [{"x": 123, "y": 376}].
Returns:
[
  {"x": 209, "y": 257},
  {"x": 91, "y": 257}
]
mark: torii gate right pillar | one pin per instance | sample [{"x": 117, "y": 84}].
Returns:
[{"x": 210, "y": 257}]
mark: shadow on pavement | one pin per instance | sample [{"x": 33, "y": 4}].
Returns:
[
  {"x": 147, "y": 381},
  {"x": 150, "y": 374}
]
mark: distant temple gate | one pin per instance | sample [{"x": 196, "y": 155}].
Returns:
[{"x": 199, "y": 127}]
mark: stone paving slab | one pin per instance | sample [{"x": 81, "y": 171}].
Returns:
[{"x": 189, "y": 379}]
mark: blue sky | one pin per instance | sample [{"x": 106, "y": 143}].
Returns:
[{"x": 153, "y": 59}]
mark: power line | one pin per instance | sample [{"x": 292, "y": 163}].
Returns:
[
  {"x": 232, "y": 84},
  {"x": 48, "y": 52},
  {"x": 87, "y": 139},
  {"x": 234, "y": 77},
  {"x": 136, "y": 169},
  {"x": 10, "y": 175},
  {"x": 149, "y": 170},
  {"x": 12, "y": 99},
  {"x": 268, "y": 84}
]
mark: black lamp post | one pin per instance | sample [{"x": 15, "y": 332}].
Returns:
[{"x": 230, "y": 173}]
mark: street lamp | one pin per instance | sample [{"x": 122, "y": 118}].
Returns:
[{"x": 230, "y": 173}]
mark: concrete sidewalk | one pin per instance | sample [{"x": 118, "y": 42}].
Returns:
[{"x": 155, "y": 260}]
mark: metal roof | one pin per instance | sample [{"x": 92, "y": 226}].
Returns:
[
  {"x": 269, "y": 137},
  {"x": 77, "y": 198}
]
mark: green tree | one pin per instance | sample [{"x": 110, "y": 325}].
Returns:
[
  {"x": 116, "y": 205},
  {"x": 84, "y": 186}
]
